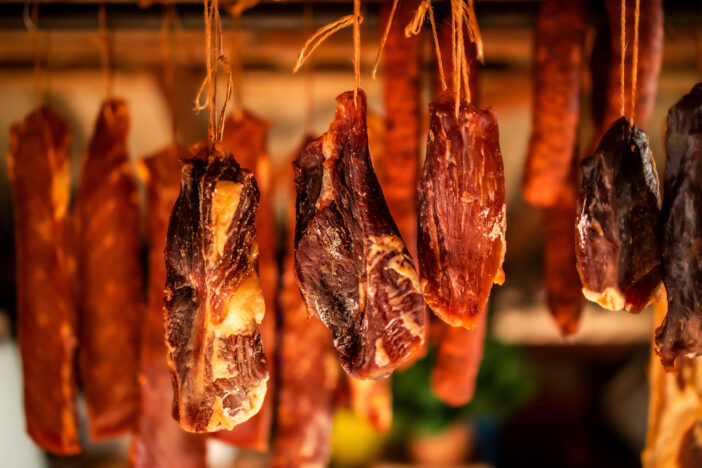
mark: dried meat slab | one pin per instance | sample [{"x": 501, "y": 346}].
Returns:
[
  {"x": 563, "y": 287},
  {"x": 246, "y": 136},
  {"x": 159, "y": 442},
  {"x": 109, "y": 272},
  {"x": 617, "y": 240},
  {"x": 681, "y": 331},
  {"x": 558, "y": 56},
  {"x": 458, "y": 355},
  {"x": 372, "y": 401},
  {"x": 214, "y": 301},
  {"x": 39, "y": 169},
  {"x": 461, "y": 212},
  {"x": 308, "y": 378},
  {"x": 352, "y": 265}
]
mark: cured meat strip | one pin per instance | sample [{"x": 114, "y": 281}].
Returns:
[
  {"x": 617, "y": 237},
  {"x": 401, "y": 94},
  {"x": 110, "y": 282},
  {"x": 352, "y": 265},
  {"x": 558, "y": 57},
  {"x": 213, "y": 296},
  {"x": 681, "y": 332},
  {"x": 308, "y": 378},
  {"x": 458, "y": 356},
  {"x": 461, "y": 212},
  {"x": 649, "y": 61},
  {"x": 159, "y": 442},
  {"x": 245, "y": 136},
  {"x": 674, "y": 410},
  {"x": 39, "y": 169},
  {"x": 563, "y": 287}
]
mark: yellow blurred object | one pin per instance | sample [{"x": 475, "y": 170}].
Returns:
[{"x": 354, "y": 440}]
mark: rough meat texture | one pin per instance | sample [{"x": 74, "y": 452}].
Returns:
[
  {"x": 352, "y": 265},
  {"x": 617, "y": 235},
  {"x": 110, "y": 281},
  {"x": 649, "y": 63},
  {"x": 563, "y": 287},
  {"x": 401, "y": 94},
  {"x": 308, "y": 376},
  {"x": 458, "y": 356},
  {"x": 674, "y": 433},
  {"x": 38, "y": 165},
  {"x": 213, "y": 296},
  {"x": 245, "y": 136},
  {"x": 558, "y": 57},
  {"x": 681, "y": 332},
  {"x": 159, "y": 442},
  {"x": 461, "y": 212}
]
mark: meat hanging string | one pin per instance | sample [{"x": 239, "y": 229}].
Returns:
[
  {"x": 415, "y": 26},
  {"x": 622, "y": 65},
  {"x": 463, "y": 15},
  {"x": 215, "y": 57},
  {"x": 635, "y": 61},
  {"x": 356, "y": 49},
  {"x": 105, "y": 51}
]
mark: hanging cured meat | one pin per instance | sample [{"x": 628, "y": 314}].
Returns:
[
  {"x": 372, "y": 401},
  {"x": 109, "y": 269},
  {"x": 401, "y": 95},
  {"x": 617, "y": 237},
  {"x": 353, "y": 268},
  {"x": 159, "y": 442},
  {"x": 245, "y": 136},
  {"x": 650, "y": 56},
  {"x": 308, "y": 378},
  {"x": 214, "y": 301},
  {"x": 674, "y": 411},
  {"x": 458, "y": 356},
  {"x": 558, "y": 57},
  {"x": 38, "y": 166},
  {"x": 681, "y": 332},
  {"x": 461, "y": 212},
  {"x": 563, "y": 287}
]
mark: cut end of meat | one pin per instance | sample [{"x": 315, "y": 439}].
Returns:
[
  {"x": 678, "y": 338},
  {"x": 610, "y": 298}
]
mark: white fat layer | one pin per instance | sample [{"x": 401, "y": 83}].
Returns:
[
  {"x": 611, "y": 298},
  {"x": 225, "y": 201}
]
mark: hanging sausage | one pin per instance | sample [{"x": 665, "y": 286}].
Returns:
[
  {"x": 558, "y": 57},
  {"x": 159, "y": 442},
  {"x": 109, "y": 272},
  {"x": 681, "y": 331},
  {"x": 38, "y": 163}
]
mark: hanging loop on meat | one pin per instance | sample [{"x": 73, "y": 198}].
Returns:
[{"x": 352, "y": 265}]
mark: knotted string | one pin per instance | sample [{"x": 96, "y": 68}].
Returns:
[
  {"x": 415, "y": 26},
  {"x": 215, "y": 57}
]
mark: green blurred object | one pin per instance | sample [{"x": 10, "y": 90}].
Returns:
[
  {"x": 505, "y": 382},
  {"x": 354, "y": 441}
]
